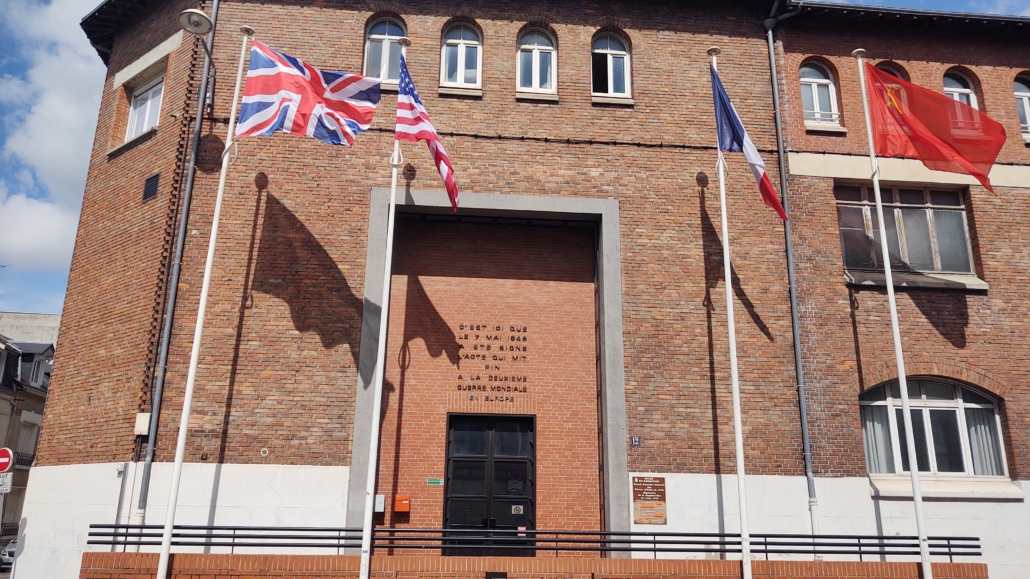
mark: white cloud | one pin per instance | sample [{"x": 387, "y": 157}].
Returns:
[
  {"x": 1006, "y": 7},
  {"x": 35, "y": 235}
]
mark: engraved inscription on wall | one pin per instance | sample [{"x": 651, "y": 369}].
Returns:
[{"x": 494, "y": 362}]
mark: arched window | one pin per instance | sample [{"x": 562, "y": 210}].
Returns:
[
  {"x": 891, "y": 70},
  {"x": 957, "y": 431},
  {"x": 1022, "y": 89},
  {"x": 818, "y": 95},
  {"x": 537, "y": 63},
  {"x": 460, "y": 57},
  {"x": 382, "y": 51},
  {"x": 610, "y": 59},
  {"x": 959, "y": 88}
]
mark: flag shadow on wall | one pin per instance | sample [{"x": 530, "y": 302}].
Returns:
[{"x": 293, "y": 266}]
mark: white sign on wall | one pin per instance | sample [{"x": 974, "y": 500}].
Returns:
[{"x": 5, "y": 482}]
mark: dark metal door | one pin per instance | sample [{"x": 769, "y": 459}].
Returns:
[{"x": 491, "y": 484}]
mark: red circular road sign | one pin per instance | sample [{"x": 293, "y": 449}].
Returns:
[{"x": 6, "y": 459}]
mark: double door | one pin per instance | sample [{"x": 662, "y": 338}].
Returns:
[{"x": 491, "y": 484}]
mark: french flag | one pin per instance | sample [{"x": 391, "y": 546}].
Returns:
[{"x": 733, "y": 137}]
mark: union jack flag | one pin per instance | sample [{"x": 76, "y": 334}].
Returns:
[
  {"x": 413, "y": 125},
  {"x": 286, "y": 94}
]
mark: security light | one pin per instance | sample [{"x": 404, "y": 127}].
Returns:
[{"x": 195, "y": 22}]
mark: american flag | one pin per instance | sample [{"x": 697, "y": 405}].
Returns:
[
  {"x": 413, "y": 125},
  {"x": 286, "y": 94}
]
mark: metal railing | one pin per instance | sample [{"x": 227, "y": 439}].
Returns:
[
  {"x": 24, "y": 458},
  {"x": 8, "y": 529},
  {"x": 531, "y": 542}
]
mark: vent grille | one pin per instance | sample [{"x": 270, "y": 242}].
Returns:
[{"x": 150, "y": 187}]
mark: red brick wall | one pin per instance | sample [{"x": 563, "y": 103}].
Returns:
[
  {"x": 143, "y": 565},
  {"x": 454, "y": 285}
]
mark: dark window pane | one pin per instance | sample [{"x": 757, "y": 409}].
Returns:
[
  {"x": 511, "y": 439},
  {"x": 938, "y": 391},
  {"x": 464, "y": 512},
  {"x": 892, "y": 239},
  {"x": 947, "y": 444},
  {"x": 526, "y": 69},
  {"x": 507, "y": 516},
  {"x": 951, "y": 241},
  {"x": 912, "y": 196},
  {"x": 847, "y": 192},
  {"x": 949, "y": 198},
  {"x": 854, "y": 238},
  {"x": 468, "y": 477},
  {"x": 619, "y": 75},
  {"x": 874, "y": 394},
  {"x": 919, "y": 431},
  {"x": 468, "y": 438},
  {"x": 600, "y": 72},
  {"x": 396, "y": 30},
  {"x": 913, "y": 391},
  {"x": 970, "y": 397},
  {"x": 917, "y": 238}
]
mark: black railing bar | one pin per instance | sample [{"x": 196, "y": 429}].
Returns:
[
  {"x": 227, "y": 528},
  {"x": 538, "y": 538},
  {"x": 529, "y": 548},
  {"x": 230, "y": 544},
  {"x": 212, "y": 534}
]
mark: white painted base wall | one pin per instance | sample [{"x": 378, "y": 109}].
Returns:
[
  {"x": 62, "y": 501},
  {"x": 779, "y": 504}
]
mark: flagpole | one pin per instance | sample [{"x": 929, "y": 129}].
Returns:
[
  {"x": 396, "y": 160},
  {"x": 917, "y": 493},
  {"x": 198, "y": 332},
  {"x": 738, "y": 430}
]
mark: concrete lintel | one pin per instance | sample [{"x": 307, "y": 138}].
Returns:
[{"x": 609, "y": 263}]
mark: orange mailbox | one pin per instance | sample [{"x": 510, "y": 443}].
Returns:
[{"x": 402, "y": 503}]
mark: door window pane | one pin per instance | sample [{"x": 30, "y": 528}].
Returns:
[
  {"x": 951, "y": 240},
  {"x": 511, "y": 478},
  {"x": 511, "y": 439},
  {"x": 469, "y": 438},
  {"x": 919, "y": 432},
  {"x": 464, "y": 512},
  {"x": 917, "y": 238},
  {"x": 947, "y": 444},
  {"x": 506, "y": 516},
  {"x": 468, "y": 477}
]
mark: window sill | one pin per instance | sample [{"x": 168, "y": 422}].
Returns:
[
  {"x": 610, "y": 100},
  {"x": 389, "y": 86},
  {"x": 1026, "y": 138},
  {"x": 140, "y": 138},
  {"x": 825, "y": 128},
  {"x": 900, "y": 487},
  {"x": 536, "y": 96},
  {"x": 957, "y": 281},
  {"x": 456, "y": 91}
]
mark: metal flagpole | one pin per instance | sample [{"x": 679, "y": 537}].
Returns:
[
  {"x": 917, "y": 493},
  {"x": 396, "y": 160},
  {"x": 198, "y": 332},
  {"x": 738, "y": 430}
]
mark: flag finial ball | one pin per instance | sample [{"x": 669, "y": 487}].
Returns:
[
  {"x": 404, "y": 41},
  {"x": 247, "y": 30},
  {"x": 714, "y": 51},
  {"x": 858, "y": 53}
]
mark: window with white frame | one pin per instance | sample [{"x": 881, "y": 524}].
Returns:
[
  {"x": 383, "y": 50},
  {"x": 926, "y": 229},
  {"x": 1021, "y": 86},
  {"x": 537, "y": 62},
  {"x": 610, "y": 63},
  {"x": 38, "y": 366},
  {"x": 818, "y": 95},
  {"x": 460, "y": 57},
  {"x": 146, "y": 108},
  {"x": 959, "y": 88},
  {"x": 957, "y": 431}
]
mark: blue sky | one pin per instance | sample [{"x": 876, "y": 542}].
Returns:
[{"x": 50, "y": 85}]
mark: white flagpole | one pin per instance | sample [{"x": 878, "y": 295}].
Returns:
[
  {"x": 377, "y": 380},
  {"x": 917, "y": 493},
  {"x": 396, "y": 160},
  {"x": 738, "y": 429},
  {"x": 198, "y": 332}
]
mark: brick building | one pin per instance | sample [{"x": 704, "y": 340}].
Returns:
[{"x": 564, "y": 332}]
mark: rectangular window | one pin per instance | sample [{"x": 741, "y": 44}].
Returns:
[
  {"x": 145, "y": 109},
  {"x": 927, "y": 229}
]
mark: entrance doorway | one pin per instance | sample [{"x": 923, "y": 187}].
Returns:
[{"x": 491, "y": 483}]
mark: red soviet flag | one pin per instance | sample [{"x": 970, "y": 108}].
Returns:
[{"x": 946, "y": 135}]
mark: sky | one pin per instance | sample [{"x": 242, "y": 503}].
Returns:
[{"x": 51, "y": 81}]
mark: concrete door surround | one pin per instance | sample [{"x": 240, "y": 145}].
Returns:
[{"x": 609, "y": 262}]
